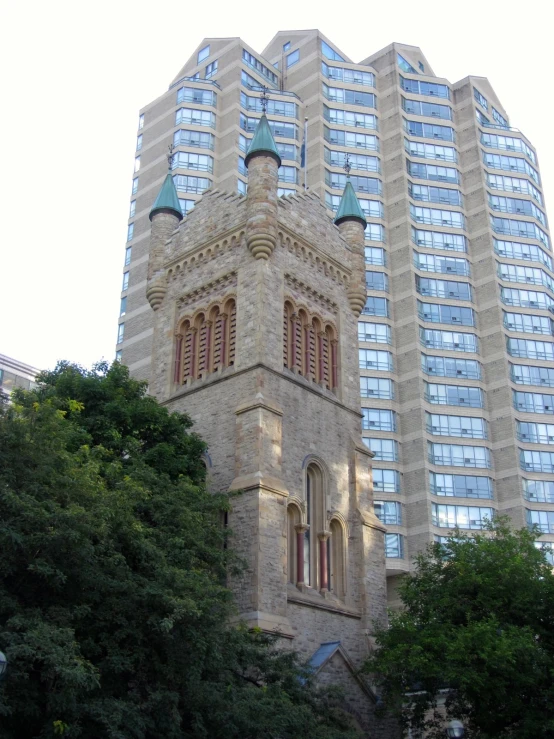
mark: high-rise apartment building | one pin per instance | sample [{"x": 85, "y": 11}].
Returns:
[{"x": 456, "y": 346}]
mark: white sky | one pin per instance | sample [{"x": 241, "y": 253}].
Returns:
[{"x": 76, "y": 74}]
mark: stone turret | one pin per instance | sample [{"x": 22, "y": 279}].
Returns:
[
  {"x": 263, "y": 162},
  {"x": 351, "y": 222},
  {"x": 165, "y": 217}
]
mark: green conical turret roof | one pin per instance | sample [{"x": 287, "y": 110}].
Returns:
[
  {"x": 349, "y": 207},
  {"x": 263, "y": 142},
  {"x": 167, "y": 199}
]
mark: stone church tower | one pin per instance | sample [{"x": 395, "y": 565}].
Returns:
[{"x": 256, "y": 302}]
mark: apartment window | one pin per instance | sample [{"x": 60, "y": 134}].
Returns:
[
  {"x": 430, "y": 194},
  {"x": 443, "y": 425},
  {"x": 373, "y": 387},
  {"x": 528, "y": 252},
  {"x": 186, "y": 205},
  {"x": 188, "y": 160},
  {"x": 349, "y": 118},
  {"x": 350, "y": 97},
  {"x": 351, "y": 76},
  {"x": 371, "y": 208},
  {"x": 544, "y": 520},
  {"x": 378, "y": 419},
  {"x": 141, "y": 121},
  {"x": 385, "y": 450},
  {"x": 374, "y": 232},
  {"x": 387, "y": 511},
  {"x": 439, "y": 240},
  {"x": 123, "y": 306},
  {"x": 186, "y": 183},
  {"x": 286, "y": 46},
  {"x": 525, "y": 298},
  {"x": 133, "y": 208},
  {"x": 530, "y": 275},
  {"x": 330, "y": 53},
  {"x": 535, "y": 433},
  {"x": 430, "y": 151},
  {"x": 460, "y": 516},
  {"x": 293, "y": 58},
  {"x": 438, "y": 313},
  {"x": 196, "y": 95},
  {"x": 499, "y": 118},
  {"x": 372, "y": 359},
  {"x": 429, "y": 130},
  {"x": 528, "y": 324},
  {"x": 547, "y": 550},
  {"x": 376, "y": 307},
  {"x": 130, "y": 231},
  {"x": 357, "y": 161},
  {"x": 432, "y": 172},
  {"x": 284, "y": 191},
  {"x": 436, "y": 217},
  {"x": 375, "y": 255},
  {"x": 128, "y": 252},
  {"x": 449, "y": 340},
  {"x": 203, "y": 54},
  {"x": 511, "y": 164},
  {"x": 456, "y": 455},
  {"x": 211, "y": 69},
  {"x": 517, "y": 206},
  {"x": 376, "y": 281},
  {"x": 513, "y": 184},
  {"x": 519, "y": 228},
  {"x": 530, "y": 349},
  {"x": 137, "y": 164},
  {"x": 468, "y": 369},
  {"x": 352, "y": 140},
  {"x": 436, "y": 263},
  {"x": 443, "y": 288},
  {"x": 195, "y": 117},
  {"x": 419, "y": 87},
  {"x": 360, "y": 184},
  {"x": 394, "y": 546},
  {"x": 480, "y": 99},
  {"x": 256, "y": 65},
  {"x": 482, "y": 119},
  {"x": 125, "y": 281},
  {"x": 288, "y": 174},
  {"x": 538, "y": 491},
  {"x": 278, "y": 128},
  {"x": 536, "y": 461},
  {"x": 118, "y": 355},
  {"x": 120, "y": 332},
  {"x": 460, "y": 486},
  {"x": 533, "y": 402},
  {"x": 404, "y": 65},
  {"x": 460, "y": 395},
  {"x": 523, "y": 374},
  {"x": 508, "y": 143},
  {"x": 241, "y": 187},
  {"x": 377, "y": 332},
  {"x": 139, "y": 142},
  {"x": 432, "y": 110},
  {"x": 135, "y": 186}
]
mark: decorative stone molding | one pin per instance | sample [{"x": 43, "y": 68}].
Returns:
[
  {"x": 261, "y": 246},
  {"x": 311, "y": 293},
  {"x": 204, "y": 254},
  {"x": 208, "y": 289},
  {"x": 317, "y": 259},
  {"x": 155, "y": 291},
  {"x": 356, "y": 297}
]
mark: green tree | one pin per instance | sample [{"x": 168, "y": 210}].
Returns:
[
  {"x": 114, "y": 613},
  {"x": 476, "y": 631}
]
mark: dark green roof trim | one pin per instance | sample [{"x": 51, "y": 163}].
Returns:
[
  {"x": 349, "y": 208},
  {"x": 263, "y": 143},
  {"x": 167, "y": 199}
]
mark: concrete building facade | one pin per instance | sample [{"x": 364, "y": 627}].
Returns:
[{"x": 454, "y": 341}]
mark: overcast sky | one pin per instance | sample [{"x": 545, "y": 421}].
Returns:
[{"x": 74, "y": 76}]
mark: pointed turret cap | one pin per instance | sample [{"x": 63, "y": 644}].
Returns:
[
  {"x": 263, "y": 143},
  {"x": 349, "y": 208},
  {"x": 167, "y": 199}
]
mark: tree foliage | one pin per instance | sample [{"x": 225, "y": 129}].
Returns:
[
  {"x": 114, "y": 613},
  {"x": 476, "y": 633}
]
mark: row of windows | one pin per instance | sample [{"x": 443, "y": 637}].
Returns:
[
  {"x": 378, "y": 419},
  {"x": 376, "y": 280},
  {"x": 437, "y": 263},
  {"x": 349, "y": 118},
  {"x": 460, "y": 486},
  {"x": 528, "y": 324},
  {"x": 533, "y": 402},
  {"x": 255, "y": 64},
  {"x": 480, "y": 98},
  {"x": 432, "y": 110},
  {"x": 449, "y": 340},
  {"x": 535, "y": 433},
  {"x": 536, "y": 461},
  {"x": 387, "y": 511},
  {"x": 439, "y": 240},
  {"x": 528, "y": 252},
  {"x": 385, "y": 450},
  {"x": 430, "y": 151},
  {"x": 530, "y": 349},
  {"x": 439, "y": 313},
  {"x": 349, "y": 97},
  {"x": 432, "y": 172},
  {"x": 278, "y": 128},
  {"x": 360, "y": 184},
  {"x": 194, "y": 117},
  {"x": 466, "y": 426},
  {"x": 508, "y": 143},
  {"x": 513, "y": 164},
  {"x": 456, "y": 455},
  {"x": 429, "y": 130},
  {"x": 518, "y": 273},
  {"x": 353, "y": 140},
  {"x": 196, "y": 95},
  {"x": 525, "y": 298},
  {"x": 513, "y": 184},
  {"x": 544, "y": 520},
  {"x": 200, "y": 139},
  {"x": 286, "y": 151},
  {"x": 356, "y": 161},
  {"x": 524, "y": 229},
  {"x": 517, "y": 205},
  {"x": 380, "y": 333},
  {"x": 371, "y": 208},
  {"x": 419, "y": 87},
  {"x": 540, "y": 491},
  {"x": 426, "y": 193},
  {"x": 350, "y": 76},
  {"x": 467, "y": 369},
  {"x": 463, "y": 517},
  {"x": 523, "y": 374},
  {"x": 186, "y": 183},
  {"x": 373, "y": 387},
  {"x": 431, "y": 287},
  {"x": 188, "y": 160},
  {"x": 436, "y": 217},
  {"x": 460, "y": 395},
  {"x": 274, "y": 107}
]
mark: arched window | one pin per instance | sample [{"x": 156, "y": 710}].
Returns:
[
  {"x": 315, "y": 518},
  {"x": 294, "y": 532},
  {"x": 335, "y": 549}
]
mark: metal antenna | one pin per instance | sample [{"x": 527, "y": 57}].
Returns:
[
  {"x": 264, "y": 98},
  {"x": 169, "y": 156},
  {"x": 347, "y": 166}
]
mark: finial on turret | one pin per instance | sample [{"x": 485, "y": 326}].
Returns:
[
  {"x": 264, "y": 97},
  {"x": 347, "y": 166},
  {"x": 170, "y": 156}
]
